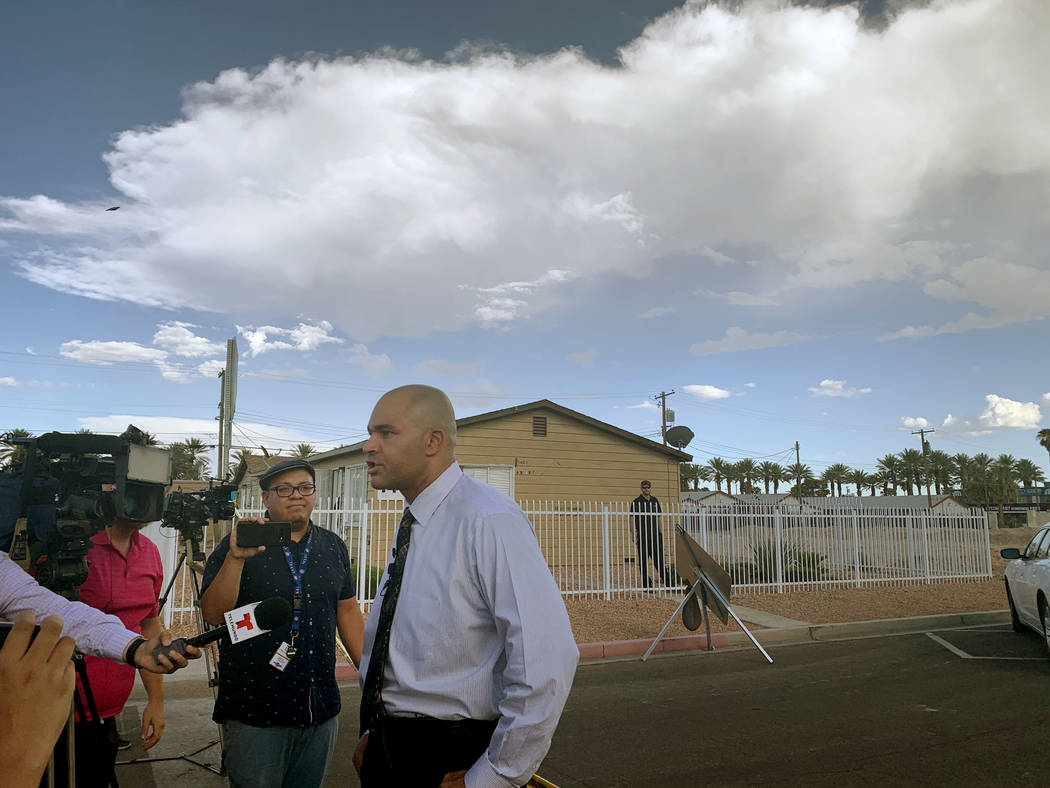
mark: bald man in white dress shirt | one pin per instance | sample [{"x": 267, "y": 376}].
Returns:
[{"x": 472, "y": 671}]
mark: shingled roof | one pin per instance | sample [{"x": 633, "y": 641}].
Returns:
[{"x": 542, "y": 404}]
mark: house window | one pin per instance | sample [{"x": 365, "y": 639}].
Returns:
[
  {"x": 499, "y": 476},
  {"x": 539, "y": 426}
]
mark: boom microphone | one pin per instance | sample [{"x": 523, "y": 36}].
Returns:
[{"x": 241, "y": 624}]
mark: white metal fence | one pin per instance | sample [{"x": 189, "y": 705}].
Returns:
[{"x": 591, "y": 551}]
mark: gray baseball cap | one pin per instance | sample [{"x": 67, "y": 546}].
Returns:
[{"x": 283, "y": 467}]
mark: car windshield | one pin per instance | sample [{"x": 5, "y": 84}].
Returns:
[{"x": 1033, "y": 549}]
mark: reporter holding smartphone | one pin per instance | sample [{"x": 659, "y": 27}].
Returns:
[{"x": 278, "y": 702}]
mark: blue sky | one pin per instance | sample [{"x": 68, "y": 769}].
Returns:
[{"x": 819, "y": 224}]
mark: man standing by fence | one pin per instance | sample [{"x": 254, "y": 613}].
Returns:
[
  {"x": 645, "y": 511},
  {"x": 465, "y": 686}
]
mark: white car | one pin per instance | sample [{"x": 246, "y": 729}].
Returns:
[{"x": 1028, "y": 585}]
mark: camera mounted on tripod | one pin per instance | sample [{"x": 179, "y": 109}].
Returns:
[
  {"x": 190, "y": 511},
  {"x": 67, "y": 486}
]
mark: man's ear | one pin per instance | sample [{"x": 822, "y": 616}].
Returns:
[{"x": 433, "y": 442}]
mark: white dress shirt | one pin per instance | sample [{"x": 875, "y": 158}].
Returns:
[
  {"x": 94, "y": 632},
  {"x": 480, "y": 629}
]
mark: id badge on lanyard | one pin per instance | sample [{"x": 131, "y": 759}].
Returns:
[{"x": 297, "y": 595}]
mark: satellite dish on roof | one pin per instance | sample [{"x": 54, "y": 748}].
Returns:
[{"x": 679, "y": 437}]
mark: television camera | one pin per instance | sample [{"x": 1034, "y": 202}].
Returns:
[
  {"x": 63, "y": 487},
  {"x": 190, "y": 511}
]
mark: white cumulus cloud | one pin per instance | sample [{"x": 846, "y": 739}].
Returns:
[
  {"x": 645, "y": 406},
  {"x": 999, "y": 413},
  {"x": 1003, "y": 413},
  {"x": 705, "y": 393},
  {"x": 180, "y": 340},
  {"x": 303, "y": 337},
  {"x": 913, "y": 423},
  {"x": 107, "y": 353},
  {"x": 398, "y": 194},
  {"x": 100, "y": 352},
  {"x": 836, "y": 388}
]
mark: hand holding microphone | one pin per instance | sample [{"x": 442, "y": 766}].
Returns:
[{"x": 242, "y": 624}]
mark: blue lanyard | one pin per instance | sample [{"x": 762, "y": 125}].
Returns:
[{"x": 297, "y": 582}]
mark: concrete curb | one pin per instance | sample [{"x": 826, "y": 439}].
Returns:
[{"x": 800, "y": 634}]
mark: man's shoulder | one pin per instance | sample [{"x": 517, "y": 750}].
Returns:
[
  {"x": 324, "y": 535},
  {"x": 481, "y": 499}
]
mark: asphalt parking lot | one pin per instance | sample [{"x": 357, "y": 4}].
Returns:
[{"x": 966, "y": 706}]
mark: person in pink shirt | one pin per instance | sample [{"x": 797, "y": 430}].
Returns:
[{"x": 124, "y": 579}]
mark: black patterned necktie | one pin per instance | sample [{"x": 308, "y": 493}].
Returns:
[{"x": 372, "y": 695}]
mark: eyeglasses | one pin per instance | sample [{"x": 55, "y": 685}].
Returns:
[
  {"x": 286, "y": 490},
  {"x": 647, "y": 487}
]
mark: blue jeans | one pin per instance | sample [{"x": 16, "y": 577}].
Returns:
[{"x": 278, "y": 757}]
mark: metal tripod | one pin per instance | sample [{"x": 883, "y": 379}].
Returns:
[{"x": 702, "y": 586}]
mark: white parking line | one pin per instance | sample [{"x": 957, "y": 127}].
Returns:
[{"x": 963, "y": 655}]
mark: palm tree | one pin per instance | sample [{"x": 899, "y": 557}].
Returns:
[
  {"x": 1004, "y": 482},
  {"x": 839, "y": 472},
  {"x": 11, "y": 454},
  {"x": 891, "y": 466},
  {"x": 782, "y": 476},
  {"x": 720, "y": 470},
  {"x": 704, "y": 473},
  {"x": 188, "y": 460},
  {"x": 748, "y": 470},
  {"x": 828, "y": 478},
  {"x": 687, "y": 472},
  {"x": 1028, "y": 472},
  {"x": 912, "y": 466},
  {"x": 860, "y": 478},
  {"x": 800, "y": 472},
  {"x": 771, "y": 473},
  {"x": 942, "y": 470},
  {"x": 963, "y": 468},
  {"x": 876, "y": 480},
  {"x": 1043, "y": 436},
  {"x": 733, "y": 475},
  {"x": 977, "y": 477},
  {"x": 303, "y": 450},
  {"x": 693, "y": 473}
]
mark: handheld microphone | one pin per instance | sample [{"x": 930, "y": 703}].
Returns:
[{"x": 241, "y": 624}]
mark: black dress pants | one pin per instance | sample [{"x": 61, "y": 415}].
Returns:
[
  {"x": 95, "y": 753},
  {"x": 651, "y": 545},
  {"x": 417, "y": 752}
]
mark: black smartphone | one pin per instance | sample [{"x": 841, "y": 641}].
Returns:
[{"x": 270, "y": 534}]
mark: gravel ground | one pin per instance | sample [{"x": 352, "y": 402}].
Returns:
[{"x": 595, "y": 620}]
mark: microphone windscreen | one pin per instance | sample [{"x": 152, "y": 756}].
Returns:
[{"x": 273, "y": 612}]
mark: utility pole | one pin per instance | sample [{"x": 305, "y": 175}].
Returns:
[
  {"x": 798, "y": 476},
  {"x": 926, "y": 464},
  {"x": 662, "y": 396}
]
